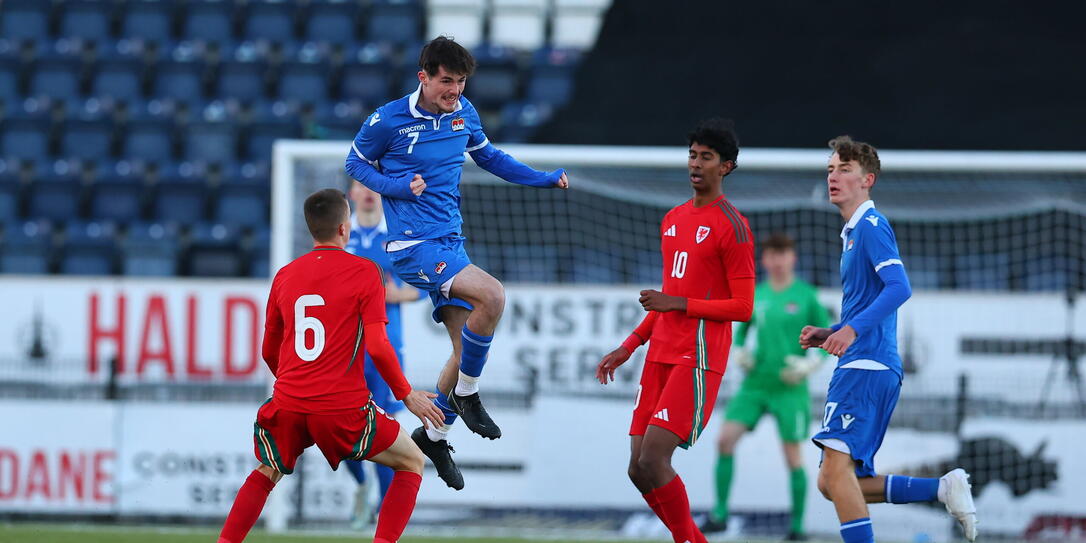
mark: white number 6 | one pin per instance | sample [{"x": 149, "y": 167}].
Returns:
[{"x": 303, "y": 323}]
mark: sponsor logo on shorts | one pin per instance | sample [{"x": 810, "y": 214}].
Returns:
[
  {"x": 661, "y": 414},
  {"x": 846, "y": 420},
  {"x": 423, "y": 276},
  {"x": 703, "y": 232},
  {"x": 439, "y": 268}
]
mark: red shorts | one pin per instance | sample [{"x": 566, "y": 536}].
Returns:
[
  {"x": 676, "y": 398},
  {"x": 280, "y": 436}
]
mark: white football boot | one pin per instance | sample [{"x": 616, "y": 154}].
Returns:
[{"x": 955, "y": 493}]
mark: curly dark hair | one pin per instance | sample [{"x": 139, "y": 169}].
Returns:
[
  {"x": 864, "y": 153},
  {"x": 719, "y": 135},
  {"x": 443, "y": 51}
]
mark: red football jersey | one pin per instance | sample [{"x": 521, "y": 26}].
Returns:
[
  {"x": 313, "y": 333},
  {"x": 703, "y": 248}
]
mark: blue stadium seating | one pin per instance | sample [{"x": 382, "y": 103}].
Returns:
[
  {"x": 88, "y": 249},
  {"x": 150, "y": 249},
  {"x": 340, "y": 120},
  {"x": 924, "y": 272},
  {"x": 243, "y": 205},
  {"x": 149, "y": 133},
  {"x": 260, "y": 253},
  {"x": 271, "y": 20},
  {"x": 85, "y": 19},
  {"x": 119, "y": 73},
  {"x": 9, "y": 195},
  {"x": 647, "y": 268},
  {"x": 303, "y": 79},
  {"x": 182, "y": 76},
  {"x": 118, "y": 196},
  {"x": 24, "y": 19},
  {"x": 495, "y": 80},
  {"x": 9, "y": 80},
  {"x": 147, "y": 19},
  {"x": 208, "y": 20},
  {"x": 27, "y": 248},
  {"x": 181, "y": 200},
  {"x": 331, "y": 21},
  {"x": 1052, "y": 273},
  {"x": 982, "y": 271},
  {"x": 25, "y": 133},
  {"x": 87, "y": 133},
  {"x": 365, "y": 76},
  {"x": 55, "y": 197},
  {"x": 215, "y": 251},
  {"x": 241, "y": 77},
  {"x": 213, "y": 138},
  {"x": 520, "y": 120},
  {"x": 596, "y": 266},
  {"x": 529, "y": 263},
  {"x": 265, "y": 130},
  {"x": 56, "y": 74},
  {"x": 395, "y": 21}
]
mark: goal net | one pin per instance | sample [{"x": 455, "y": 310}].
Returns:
[{"x": 994, "y": 246}]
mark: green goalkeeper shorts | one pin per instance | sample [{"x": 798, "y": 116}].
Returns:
[{"x": 791, "y": 408}]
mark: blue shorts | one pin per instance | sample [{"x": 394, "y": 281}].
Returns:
[
  {"x": 429, "y": 265},
  {"x": 379, "y": 390},
  {"x": 857, "y": 413}
]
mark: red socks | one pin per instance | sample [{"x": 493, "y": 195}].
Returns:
[
  {"x": 247, "y": 507},
  {"x": 654, "y": 504},
  {"x": 397, "y": 506},
  {"x": 673, "y": 507}
]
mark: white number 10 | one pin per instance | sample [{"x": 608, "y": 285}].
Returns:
[
  {"x": 303, "y": 323},
  {"x": 678, "y": 265}
]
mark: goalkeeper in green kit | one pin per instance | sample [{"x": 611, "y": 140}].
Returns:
[{"x": 776, "y": 377}]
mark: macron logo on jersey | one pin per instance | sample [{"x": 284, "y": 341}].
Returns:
[
  {"x": 873, "y": 220},
  {"x": 670, "y": 232},
  {"x": 375, "y": 119},
  {"x": 661, "y": 414},
  {"x": 846, "y": 421}
]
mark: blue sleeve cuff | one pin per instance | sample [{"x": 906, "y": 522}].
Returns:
[
  {"x": 497, "y": 162},
  {"x": 837, "y": 326}
]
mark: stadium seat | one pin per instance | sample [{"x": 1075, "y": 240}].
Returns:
[
  {"x": 10, "y": 207},
  {"x": 9, "y": 80},
  {"x": 552, "y": 75},
  {"x": 150, "y": 20},
  {"x": 56, "y": 74},
  {"x": 87, "y": 133},
  {"x": 181, "y": 77},
  {"x": 241, "y": 77},
  {"x": 365, "y": 76},
  {"x": 982, "y": 271},
  {"x": 213, "y": 138},
  {"x": 86, "y": 19},
  {"x": 150, "y": 249},
  {"x": 495, "y": 79},
  {"x": 24, "y": 19},
  {"x": 179, "y": 200},
  {"x": 394, "y": 21},
  {"x": 89, "y": 249},
  {"x": 303, "y": 80},
  {"x": 27, "y": 248},
  {"x": 260, "y": 253},
  {"x": 518, "y": 23},
  {"x": 647, "y": 268},
  {"x": 208, "y": 20},
  {"x": 119, "y": 74},
  {"x": 340, "y": 120},
  {"x": 24, "y": 133},
  {"x": 271, "y": 20},
  {"x": 332, "y": 21},
  {"x": 215, "y": 251},
  {"x": 529, "y": 264},
  {"x": 242, "y": 205},
  {"x": 265, "y": 129},
  {"x": 520, "y": 120},
  {"x": 462, "y": 19},
  {"x": 118, "y": 196},
  {"x": 1053, "y": 273},
  {"x": 55, "y": 197}
]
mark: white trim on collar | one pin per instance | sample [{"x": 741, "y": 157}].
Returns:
[{"x": 856, "y": 216}]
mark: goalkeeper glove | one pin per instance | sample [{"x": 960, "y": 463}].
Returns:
[{"x": 797, "y": 368}]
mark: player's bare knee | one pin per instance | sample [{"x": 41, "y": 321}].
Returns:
[
  {"x": 824, "y": 485},
  {"x": 270, "y": 473},
  {"x": 414, "y": 462}
]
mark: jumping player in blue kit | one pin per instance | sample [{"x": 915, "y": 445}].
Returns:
[
  {"x": 865, "y": 385},
  {"x": 411, "y": 152}
]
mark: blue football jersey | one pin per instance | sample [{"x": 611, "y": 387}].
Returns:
[
  {"x": 400, "y": 140},
  {"x": 369, "y": 242},
  {"x": 869, "y": 246}
]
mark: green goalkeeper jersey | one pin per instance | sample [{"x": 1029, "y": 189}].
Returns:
[{"x": 778, "y": 319}]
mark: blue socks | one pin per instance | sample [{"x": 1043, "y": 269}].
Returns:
[
  {"x": 858, "y": 531},
  {"x": 442, "y": 402},
  {"x": 903, "y": 489},
  {"x": 355, "y": 467},
  {"x": 473, "y": 356}
]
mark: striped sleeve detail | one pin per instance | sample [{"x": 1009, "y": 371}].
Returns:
[
  {"x": 741, "y": 235},
  {"x": 885, "y": 263},
  {"x": 360, "y": 155},
  {"x": 477, "y": 147}
]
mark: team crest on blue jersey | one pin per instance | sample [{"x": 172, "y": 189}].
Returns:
[
  {"x": 458, "y": 124},
  {"x": 851, "y": 242},
  {"x": 440, "y": 267},
  {"x": 703, "y": 232}
]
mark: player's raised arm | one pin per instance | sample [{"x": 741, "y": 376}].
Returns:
[
  {"x": 368, "y": 147},
  {"x": 499, "y": 163},
  {"x": 273, "y": 331},
  {"x": 605, "y": 371}
]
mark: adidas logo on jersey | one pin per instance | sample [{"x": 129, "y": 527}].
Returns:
[
  {"x": 661, "y": 414},
  {"x": 670, "y": 232}
]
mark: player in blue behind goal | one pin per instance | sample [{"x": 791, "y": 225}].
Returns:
[
  {"x": 865, "y": 385},
  {"x": 411, "y": 152}
]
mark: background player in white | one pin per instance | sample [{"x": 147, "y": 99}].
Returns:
[
  {"x": 865, "y": 385},
  {"x": 411, "y": 152}
]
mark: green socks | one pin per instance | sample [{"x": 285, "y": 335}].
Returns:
[
  {"x": 724, "y": 464},
  {"x": 798, "y": 480}
]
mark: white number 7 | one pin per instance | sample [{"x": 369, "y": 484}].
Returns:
[{"x": 414, "y": 139}]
